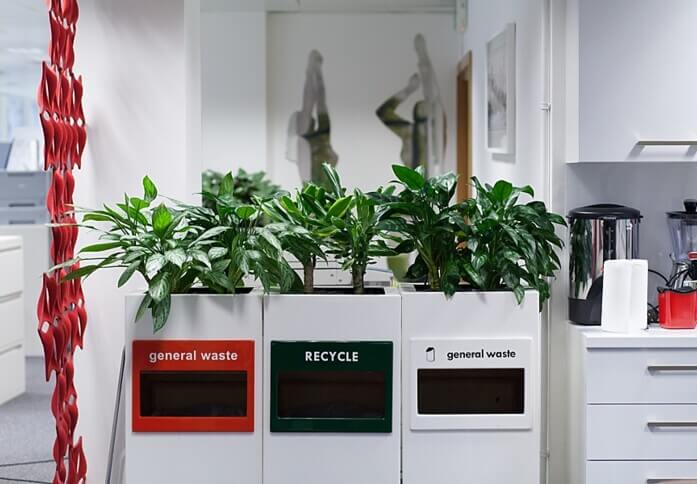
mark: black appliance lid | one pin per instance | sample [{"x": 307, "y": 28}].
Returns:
[
  {"x": 690, "y": 210},
  {"x": 605, "y": 211}
]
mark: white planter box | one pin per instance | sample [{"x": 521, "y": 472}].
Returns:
[
  {"x": 332, "y": 333},
  {"x": 164, "y": 447},
  {"x": 471, "y": 393}
]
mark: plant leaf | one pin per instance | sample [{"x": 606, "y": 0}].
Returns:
[
  {"x": 210, "y": 233},
  {"x": 144, "y": 304},
  {"x": 202, "y": 257},
  {"x": 245, "y": 211},
  {"x": 160, "y": 313},
  {"x": 161, "y": 220},
  {"x": 101, "y": 247},
  {"x": 80, "y": 273},
  {"x": 149, "y": 190},
  {"x": 227, "y": 186},
  {"x": 126, "y": 275},
  {"x": 159, "y": 287},
  {"x": 176, "y": 256},
  {"x": 339, "y": 207},
  {"x": 502, "y": 190},
  {"x": 217, "y": 252},
  {"x": 154, "y": 264},
  {"x": 410, "y": 178}
]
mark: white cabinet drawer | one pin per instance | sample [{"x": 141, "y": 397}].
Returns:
[
  {"x": 641, "y": 432},
  {"x": 12, "y": 370},
  {"x": 641, "y": 472},
  {"x": 11, "y": 321},
  {"x": 656, "y": 375},
  {"x": 11, "y": 273}
]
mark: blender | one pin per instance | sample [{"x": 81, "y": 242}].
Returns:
[
  {"x": 677, "y": 302},
  {"x": 683, "y": 236}
]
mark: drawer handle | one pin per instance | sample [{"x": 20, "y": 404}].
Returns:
[
  {"x": 655, "y": 368},
  {"x": 22, "y": 222},
  {"x": 666, "y": 142},
  {"x": 673, "y": 424},
  {"x": 670, "y": 481}
]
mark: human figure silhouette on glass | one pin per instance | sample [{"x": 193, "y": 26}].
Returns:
[
  {"x": 423, "y": 138},
  {"x": 309, "y": 130}
]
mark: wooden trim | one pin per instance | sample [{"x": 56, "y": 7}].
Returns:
[
  {"x": 464, "y": 126},
  {"x": 465, "y": 63}
]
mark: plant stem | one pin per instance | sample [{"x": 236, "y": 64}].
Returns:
[
  {"x": 309, "y": 276},
  {"x": 358, "y": 273},
  {"x": 433, "y": 280}
]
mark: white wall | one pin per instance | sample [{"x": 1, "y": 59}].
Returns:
[
  {"x": 367, "y": 58},
  {"x": 529, "y": 163},
  {"x": 486, "y": 20},
  {"x": 141, "y": 101},
  {"x": 233, "y": 76}
]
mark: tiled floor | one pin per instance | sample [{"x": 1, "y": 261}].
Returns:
[{"x": 27, "y": 432}]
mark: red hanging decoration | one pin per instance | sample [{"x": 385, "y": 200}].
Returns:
[{"x": 61, "y": 307}]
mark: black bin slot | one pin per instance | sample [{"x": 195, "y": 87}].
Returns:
[
  {"x": 470, "y": 391},
  {"x": 193, "y": 394},
  {"x": 331, "y": 394}
]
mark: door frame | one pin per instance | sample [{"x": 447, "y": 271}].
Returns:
[{"x": 464, "y": 126}]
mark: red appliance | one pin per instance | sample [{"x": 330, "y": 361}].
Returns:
[
  {"x": 193, "y": 386},
  {"x": 677, "y": 308}
]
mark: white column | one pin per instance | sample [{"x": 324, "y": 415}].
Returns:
[
  {"x": 139, "y": 59},
  {"x": 233, "y": 67}
]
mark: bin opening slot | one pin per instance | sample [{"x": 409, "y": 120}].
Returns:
[
  {"x": 331, "y": 394},
  {"x": 471, "y": 391},
  {"x": 193, "y": 394}
]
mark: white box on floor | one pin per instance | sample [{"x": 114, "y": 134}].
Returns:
[
  {"x": 472, "y": 391},
  {"x": 192, "y": 392},
  {"x": 331, "y": 388}
]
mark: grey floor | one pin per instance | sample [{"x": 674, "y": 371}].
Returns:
[{"x": 27, "y": 432}]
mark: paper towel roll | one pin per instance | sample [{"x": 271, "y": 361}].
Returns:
[
  {"x": 625, "y": 286},
  {"x": 639, "y": 298}
]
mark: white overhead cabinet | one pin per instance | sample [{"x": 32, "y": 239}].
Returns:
[{"x": 632, "y": 72}]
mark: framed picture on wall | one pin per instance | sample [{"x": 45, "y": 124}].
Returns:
[{"x": 500, "y": 92}]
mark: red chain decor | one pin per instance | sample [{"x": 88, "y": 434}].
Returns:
[{"x": 61, "y": 308}]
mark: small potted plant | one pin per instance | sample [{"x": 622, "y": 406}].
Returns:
[
  {"x": 303, "y": 222},
  {"x": 246, "y": 186},
  {"x": 183, "y": 250},
  {"x": 481, "y": 264}
]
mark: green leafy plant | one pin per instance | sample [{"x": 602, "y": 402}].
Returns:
[
  {"x": 423, "y": 216},
  {"x": 361, "y": 229},
  {"x": 238, "y": 245},
  {"x": 509, "y": 244},
  {"x": 155, "y": 242},
  {"x": 246, "y": 187},
  {"x": 302, "y": 223}
]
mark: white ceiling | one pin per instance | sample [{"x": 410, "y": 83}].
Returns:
[
  {"x": 23, "y": 44},
  {"x": 355, "y": 6}
]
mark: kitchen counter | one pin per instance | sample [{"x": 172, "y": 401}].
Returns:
[
  {"x": 654, "y": 337},
  {"x": 632, "y": 405}
]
